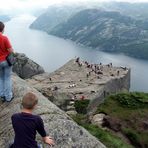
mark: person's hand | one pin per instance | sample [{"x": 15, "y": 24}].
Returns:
[{"x": 48, "y": 140}]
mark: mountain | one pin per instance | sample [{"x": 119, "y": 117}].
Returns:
[
  {"x": 4, "y": 18},
  {"x": 106, "y": 30},
  {"x": 136, "y": 10},
  {"x": 53, "y": 16},
  {"x": 113, "y": 27}
]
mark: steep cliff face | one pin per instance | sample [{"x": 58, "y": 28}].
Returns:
[
  {"x": 67, "y": 133},
  {"x": 25, "y": 67},
  {"x": 116, "y": 85}
]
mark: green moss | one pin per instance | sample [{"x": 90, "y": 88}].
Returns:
[
  {"x": 132, "y": 136},
  {"x": 132, "y": 100},
  {"x": 105, "y": 136},
  {"x": 131, "y": 109},
  {"x": 81, "y": 106}
]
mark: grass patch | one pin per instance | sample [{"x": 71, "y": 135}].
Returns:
[
  {"x": 132, "y": 110},
  {"x": 105, "y": 136}
]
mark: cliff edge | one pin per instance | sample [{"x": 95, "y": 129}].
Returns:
[
  {"x": 25, "y": 67},
  {"x": 80, "y": 79},
  {"x": 62, "y": 128}
]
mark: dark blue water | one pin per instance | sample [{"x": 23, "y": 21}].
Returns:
[{"x": 52, "y": 52}]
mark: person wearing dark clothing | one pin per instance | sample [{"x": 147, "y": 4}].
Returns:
[{"x": 26, "y": 125}]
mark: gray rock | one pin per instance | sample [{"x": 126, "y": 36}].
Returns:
[
  {"x": 59, "y": 125},
  {"x": 98, "y": 119},
  {"x": 72, "y": 112},
  {"x": 26, "y": 68},
  {"x": 67, "y": 79}
]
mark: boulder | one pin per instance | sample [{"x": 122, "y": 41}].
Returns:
[
  {"x": 25, "y": 67},
  {"x": 58, "y": 124},
  {"x": 98, "y": 119},
  {"x": 112, "y": 123}
]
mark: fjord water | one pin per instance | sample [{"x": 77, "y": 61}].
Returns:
[{"x": 52, "y": 52}]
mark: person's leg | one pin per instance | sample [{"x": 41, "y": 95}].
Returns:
[
  {"x": 7, "y": 82},
  {"x": 1, "y": 80}
]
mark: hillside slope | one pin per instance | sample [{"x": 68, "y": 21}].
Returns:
[
  {"x": 106, "y": 30},
  {"x": 53, "y": 16}
]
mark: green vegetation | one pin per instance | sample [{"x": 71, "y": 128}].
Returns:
[
  {"x": 136, "y": 50},
  {"x": 110, "y": 31},
  {"x": 105, "y": 136},
  {"x": 131, "y": 109},
  {"x": 81, "y": 106}
]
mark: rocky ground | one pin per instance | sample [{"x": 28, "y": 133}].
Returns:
[
  {"x": 75, "y": 80},
  {"x": 66, "y": 133},
  {"x": 81, "y": 80},
  {"x": 25, "y": 67}
]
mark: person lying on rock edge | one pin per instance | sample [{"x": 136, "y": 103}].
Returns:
[{"x": 25, "y": 125}]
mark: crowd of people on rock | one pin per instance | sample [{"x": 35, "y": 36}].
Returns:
[{"x": 96, "y": 68}]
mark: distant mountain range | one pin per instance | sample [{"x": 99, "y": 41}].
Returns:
[
  {"x": 4, "y": 18},
  {"x": 54, "y": 15},
  {"x": 137, "y": 10},
  {"x": 104, "y": 29}
]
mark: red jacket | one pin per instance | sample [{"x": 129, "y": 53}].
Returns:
[{"x": 4, "y": 45}]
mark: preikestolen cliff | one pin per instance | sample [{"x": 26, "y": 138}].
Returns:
[{"x": 87, "y": 64}]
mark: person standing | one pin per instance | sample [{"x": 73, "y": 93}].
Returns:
[{"x": 5, "y": 69}]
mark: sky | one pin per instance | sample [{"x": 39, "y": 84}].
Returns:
[{"x": 6, "y": 4}]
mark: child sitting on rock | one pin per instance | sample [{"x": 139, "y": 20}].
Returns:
[{"x": 25, "y": 125}]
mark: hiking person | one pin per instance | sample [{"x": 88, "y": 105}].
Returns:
[
  {"x": 5, "y": 69},
  {"x": 25, "y": 125}
]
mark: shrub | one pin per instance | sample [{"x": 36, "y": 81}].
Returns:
[
  {"x": 133, "y": 137},
  {"x": 132, "y": 100},
  {"x": 81, "y": 106}
]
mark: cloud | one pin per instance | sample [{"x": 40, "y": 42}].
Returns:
[{"x": 12, "y": 4}]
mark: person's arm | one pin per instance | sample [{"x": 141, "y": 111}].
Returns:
[{"x": 42, "y": 132}]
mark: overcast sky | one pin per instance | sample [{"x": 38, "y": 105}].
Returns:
[{"x": 44, "y": 3}]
